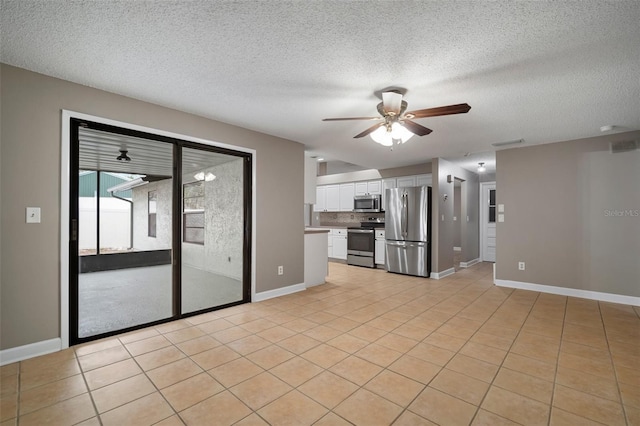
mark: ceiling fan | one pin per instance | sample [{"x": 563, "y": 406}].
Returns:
[{"x": 397, "y": 124}]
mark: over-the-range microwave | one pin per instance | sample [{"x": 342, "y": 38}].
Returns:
[{"x": 371, "y": 203}]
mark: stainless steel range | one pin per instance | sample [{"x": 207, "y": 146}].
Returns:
[{"x": 361, "y": 244}]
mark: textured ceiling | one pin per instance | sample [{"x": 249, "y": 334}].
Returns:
[{"x": 542, "y": 71}]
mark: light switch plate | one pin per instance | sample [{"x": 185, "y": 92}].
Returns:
[
  {"x": 33, "y": 214},
  {"x": 500, "y": 218},
  {"x": 500, "y": 208}
]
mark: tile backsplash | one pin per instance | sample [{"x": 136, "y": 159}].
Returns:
[{"x": 344, "y": 218}]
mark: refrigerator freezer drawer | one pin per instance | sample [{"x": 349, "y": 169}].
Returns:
[{"x": 410, "y": 258}]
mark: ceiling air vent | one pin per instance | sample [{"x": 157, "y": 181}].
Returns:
[
  {"x": 507, "y": 143},
  {"x": 623, "y": 146}
]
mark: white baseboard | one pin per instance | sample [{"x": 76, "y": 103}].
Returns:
[
  {"x": 457, "y": 249},
  {"x": 270, "y": 294},
  {"x": 573, "y": 292},
  {"x": 445, "y": 273},
  {"x": 469, "y": 263},
  {"x": 7, "y": 356}
]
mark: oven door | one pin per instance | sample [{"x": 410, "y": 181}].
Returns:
[{"x": 361, "y": 242}]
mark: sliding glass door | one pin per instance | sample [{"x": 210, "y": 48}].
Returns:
[
  {"x": 160, "y": 229},
  {"x": 212, "y": 229}
]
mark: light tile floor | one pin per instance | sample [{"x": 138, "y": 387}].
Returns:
[{"x": 367, "y": 348}]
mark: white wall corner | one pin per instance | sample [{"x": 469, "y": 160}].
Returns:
[
  {"x": 20, "y": 353},
  {"x": 440, "y": 275},
  {"x": 572, "y": 292},
  {"x": 469, "y": 263},
  {"x": 270, "y": 294}
]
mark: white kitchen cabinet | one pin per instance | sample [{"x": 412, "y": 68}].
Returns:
[
  {"x": 405, "y": 181},
  {"x": 333, "y": 198},
  {"x": 380, "y": 248},
  {"x": 338, "y": 243},
  {"x": 340, "y": 247},
  {"x": 372, "y": 187},
  {"x": 321, "y": 199},
  {"x": 423, "y": 180},
  {"x": 361, "y": 188},
  {"x": 346, "y": 197}
]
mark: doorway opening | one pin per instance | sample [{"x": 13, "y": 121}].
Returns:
[
  {"x": 458, "y": 214},
  {"x": 159, "y": 229},
  {"x": 488, "y": 215}
]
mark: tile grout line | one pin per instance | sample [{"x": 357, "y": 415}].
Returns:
[
  {"x": 507, "y": 353},
  {"x": 84, "y": 379},
  {"x": 555, "y": 373},
  {"x": 613, "y": 367}
]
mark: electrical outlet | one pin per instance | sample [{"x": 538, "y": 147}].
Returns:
[
  {"x": 280, "y": 270},
  {"x": 521, "y": 266}
]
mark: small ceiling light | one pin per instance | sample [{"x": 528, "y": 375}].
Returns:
[
  {"x": 123, "y": 156},
  {"x": 320, "y": 159},
  {"x": 481, "y": 168},
  {"x": 202, "y": 176},
  {"x": 607, "y": 128}
]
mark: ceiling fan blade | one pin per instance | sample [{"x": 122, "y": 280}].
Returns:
[
  {"x": 392, "y": 102},
  {"x": 416, "y": 128},
  {"x": 369, "y": 130},
  {"x": 443, "y": 110},
  {"x": 350, "y": 118}
]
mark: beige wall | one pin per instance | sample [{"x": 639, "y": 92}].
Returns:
[
  {"x": 560, "y": 201},
  {"x": 443, "y": 229},
  {"x": 31, "y": 107}
]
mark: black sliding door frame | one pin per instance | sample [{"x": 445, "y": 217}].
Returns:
[{"x": 176, "y": 224}]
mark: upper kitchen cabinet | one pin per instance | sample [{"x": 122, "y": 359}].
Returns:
[
  {"x": 327, "y": 198},
  {"x": 321, "y": 199},
  {"x": 347, "y": 192},
  {"x": 333, "y": 198},
  {"x": 373, "y": 187},
  {"x": 423, "y": 180},
  {"x": 405, "y": 181},
  {"x": 417, "y": 180}
]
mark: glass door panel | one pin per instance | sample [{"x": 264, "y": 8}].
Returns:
[
  {"x": 124, "y": 232},
  {"x": 212, "y": 229}
]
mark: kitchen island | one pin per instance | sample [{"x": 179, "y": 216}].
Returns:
[{"x": 316, "y": 263}]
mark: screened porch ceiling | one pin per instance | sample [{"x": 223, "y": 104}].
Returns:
[{"x": 99, "y": 151}]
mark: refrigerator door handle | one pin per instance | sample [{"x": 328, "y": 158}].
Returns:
[
  {"x": 405, "y": 245},
  {"x": 416, "y": 244},
  {"x": 396, "y": 244},
  {"x": 404, "y": 216}
]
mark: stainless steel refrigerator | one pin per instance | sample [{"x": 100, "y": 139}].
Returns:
[{"x": 408, "y": 230}]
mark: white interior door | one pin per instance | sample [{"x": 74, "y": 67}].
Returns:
[{"x": 488, "y": 221}]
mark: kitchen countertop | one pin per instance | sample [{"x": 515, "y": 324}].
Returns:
[{"x": 316, "y": 230}]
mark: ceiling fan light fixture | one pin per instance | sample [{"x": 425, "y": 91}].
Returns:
[
  {"x": 382, "y": 136},
  {"x": 398, "y": 131}
]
